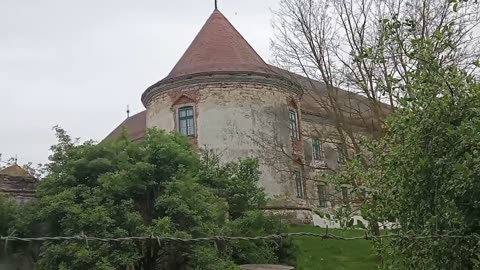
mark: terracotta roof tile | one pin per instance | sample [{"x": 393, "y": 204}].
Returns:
[
  {"x": 355, "y": 107},
  {"x": 136, "y": 126},
  {"x": 218, "y": 47}
]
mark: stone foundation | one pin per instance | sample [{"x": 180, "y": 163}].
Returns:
[{"x": 296, "y": 216}]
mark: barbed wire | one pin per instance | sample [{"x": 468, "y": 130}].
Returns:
[{"x": 160, "y": 239}]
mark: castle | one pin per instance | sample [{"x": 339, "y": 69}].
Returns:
[
  {"x": 224, "y": 96},
  {"x": 18, "y": 184}
]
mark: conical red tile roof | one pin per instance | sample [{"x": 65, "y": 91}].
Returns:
[
  {"x": 15, "y": 170},
  {"x": 218, "y": 47}
]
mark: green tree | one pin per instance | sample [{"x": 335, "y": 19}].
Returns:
[
  {"x": 7, "y": 214},
  {"x": 236, "y": 182},
  {"x": 425, "y": 172},
  {"x": 159, "y": 186}
]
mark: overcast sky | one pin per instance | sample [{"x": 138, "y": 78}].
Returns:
[{"x": 78, "y": 64}]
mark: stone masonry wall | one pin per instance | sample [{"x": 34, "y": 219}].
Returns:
[
  {"x": 317, "y": 127},
  {"x": 22, "y": 189}
]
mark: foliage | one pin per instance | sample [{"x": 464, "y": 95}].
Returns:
[
  {"x": 365, "y": 47},
  {"x": 349, "y": 45},
  {"x": 236, "y": 182},
  {"x": 7, "y": 218},
  {"x": 159, "y": 186},
  {"x": 7, "y": 213},
  {"x": 36, "y": 170},
  {"x": 425, "y": 171}
]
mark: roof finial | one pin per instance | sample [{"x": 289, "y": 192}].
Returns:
[
  {"x": 128, "y": 111},
  {"x": 216, "y": 5}
]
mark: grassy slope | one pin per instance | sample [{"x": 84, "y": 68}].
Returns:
[{"x": 317, "y": 254}]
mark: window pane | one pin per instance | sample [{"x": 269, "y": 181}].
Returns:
[
  {"x": 298, "y": 184},
  {"x": 183, "y": 113},
  {"x": 341, "y": 154},
  {"x": 183, "y": 130},
  {"x": 183, "y": 123},
  {"x": 322, "y": 195},
  {"x": 293, "y": 125},
  {"x": 186, "y": 121},
  {"x": 191, "y": 127},
  {"x": 317, "y": 149}
]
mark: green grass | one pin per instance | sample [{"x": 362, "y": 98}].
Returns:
[{"x": 317, "y": 254}]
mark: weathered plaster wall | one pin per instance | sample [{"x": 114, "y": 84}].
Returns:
[
  {"x": 238, "y": 120},
  {"x": 319, "y": 127},
  {"x": 230, "y": 119}
]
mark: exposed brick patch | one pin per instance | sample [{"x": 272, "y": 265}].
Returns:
[
  {"x": 181, "y": 96},
  {"x": 182, "y": 100},
  {"x": 293, "y": 102},
  {"x": 221, "y": 80},
  {"x": 297, "y": 144},
  {"x": 298, "y": 152}
]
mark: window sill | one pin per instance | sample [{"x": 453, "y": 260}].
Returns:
[
  {"x": 318, "y": 161},
  {"x": 318, "y": 164}
]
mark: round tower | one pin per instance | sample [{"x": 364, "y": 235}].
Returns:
[{"x": 226, "y": 98}]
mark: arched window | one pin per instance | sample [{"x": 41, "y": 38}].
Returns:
[{"x": 186, "y": 121}]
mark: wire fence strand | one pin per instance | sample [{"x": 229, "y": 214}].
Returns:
[{"x": 326, "y": 235}]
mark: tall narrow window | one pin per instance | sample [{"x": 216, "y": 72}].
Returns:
[
  {"x": 317, "y": 149},
  {"x": 293, "y": 124},
  {"x": 345, "y": 198},
  {"x": 186, "y": 121},
  {"x": 322, "y": 195},
  {"x": 341, "y": 154},
  {"x": 298, "y": 184}
]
